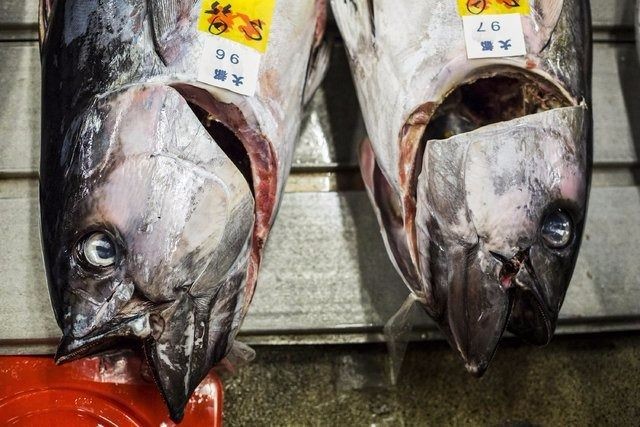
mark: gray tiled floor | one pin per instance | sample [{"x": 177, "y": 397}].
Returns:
[{"x": 581, "y": 381}]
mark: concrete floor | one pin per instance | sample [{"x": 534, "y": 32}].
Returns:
[{"x": 577, "y": 380}]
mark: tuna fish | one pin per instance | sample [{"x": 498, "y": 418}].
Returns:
[
  {"x": 478, "y": 170},
  {"x": 157, "y": 191}
]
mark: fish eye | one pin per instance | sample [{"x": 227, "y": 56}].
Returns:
[
  {"x": 98, "y": 250},
  {"x": 557, "y": 229}
]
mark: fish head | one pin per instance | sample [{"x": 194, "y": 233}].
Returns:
[
  {"x": 503, "y": 209},
  {"x": 150, "y": 230}
]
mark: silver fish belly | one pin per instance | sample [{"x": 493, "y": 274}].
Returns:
[
  {"x": 478, "y": 170},
  {"x": 158, "y": 192}
]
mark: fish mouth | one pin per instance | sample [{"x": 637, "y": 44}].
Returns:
[
  {"x": 136, "y": 321},
  {"x": 530, "y": 318},
  {"x": 133, "y": 321},
  {"x": 102, "y": 339}
]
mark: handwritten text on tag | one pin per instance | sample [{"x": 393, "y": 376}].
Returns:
[
  {"x": 494, "y": 36},
  {"x": 247, "y": 22},
  {"x": 229, "y": 65}
]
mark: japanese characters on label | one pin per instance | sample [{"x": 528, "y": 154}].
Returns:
[
  {"x": 247, "y": 22},
  {"x": 229, "y": 65},
  {"x": 494, "y": 36},
  {"x": 236, "y": 34},
  {"x": 493, "y": 7}
]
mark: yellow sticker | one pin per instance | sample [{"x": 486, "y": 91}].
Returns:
[
  {"x": 493, "y": 7},
  {"x": 247, "y": 22}
]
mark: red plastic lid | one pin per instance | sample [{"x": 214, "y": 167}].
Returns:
[{"x": 95, "y": 392}]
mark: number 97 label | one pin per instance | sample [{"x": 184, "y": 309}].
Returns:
[{"x": 494, "y": 36}]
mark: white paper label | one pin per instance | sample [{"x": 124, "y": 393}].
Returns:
[
  {"x": 229, "y": 65},
  {"x": 494, "y": 36}
]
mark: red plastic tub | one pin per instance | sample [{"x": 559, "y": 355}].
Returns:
[{"x": 95, "y": 392}]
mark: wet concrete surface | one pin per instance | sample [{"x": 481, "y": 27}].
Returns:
[{"x": 575, "y": 381}]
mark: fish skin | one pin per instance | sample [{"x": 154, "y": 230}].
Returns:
[
  {"x": 125, "y": 152},
  {"x": 449, "y": 236}
]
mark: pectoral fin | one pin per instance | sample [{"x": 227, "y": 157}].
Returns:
[
  {"x": 171, "y": 20},
  {"x": 539, "y": 26}
]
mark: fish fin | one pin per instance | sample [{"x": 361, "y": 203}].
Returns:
[
  {"x": 367, "y": 164},
  {"x": 317, "y": 70},
  {"x": 320, "y": 54},
  {"x": 355, "y": 18},
  {"x": 544, "y": 17},
  {"x": 397, "y": 332},
  {"x": 170, "y": 20},
  {"x": 45, "y": 12},
  {"x": 239, "y": 356}
]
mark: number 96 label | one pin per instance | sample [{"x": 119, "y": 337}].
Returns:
[
  {"x": 229, "y": 65},
  {"x": 494, "y": 36},
  {"x": 234, "y": 58}
]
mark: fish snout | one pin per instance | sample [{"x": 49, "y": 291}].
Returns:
[
  {"x": 71, "y": 348},
  {"x": 135, "y": 320}
]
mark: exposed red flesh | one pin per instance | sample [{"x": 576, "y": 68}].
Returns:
[{"x": 263, "y": 168}]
